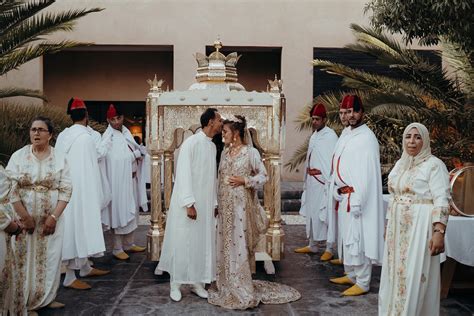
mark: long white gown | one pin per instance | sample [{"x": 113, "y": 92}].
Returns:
[
  {"x": 128, "y": 192},
  {"x": 320, "y": 150},
  {"x": 33, "y": 271},
  {"x": 410, "y": 280},
  {"x": 333, "y": 233},
  {"x": 242, "y": 223},
  {"x": 358, "y": 166},
  {"x": 189, "y": 250},
  {"x": 6, "y": 217},
  {"x": 83, "y": 236}
]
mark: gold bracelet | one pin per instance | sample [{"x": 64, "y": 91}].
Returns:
[{"x": 54, "y": 217}]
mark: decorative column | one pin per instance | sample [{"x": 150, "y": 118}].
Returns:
[
  {"x": 154, "y": 134},
  {"x": 168, "y": 177},
  {"x": 272, "y": 159}
]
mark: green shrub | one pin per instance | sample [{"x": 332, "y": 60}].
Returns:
[{"x": 15, "y": 120}]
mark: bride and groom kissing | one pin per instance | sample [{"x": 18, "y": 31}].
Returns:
[{"x": 195, "y": 250}]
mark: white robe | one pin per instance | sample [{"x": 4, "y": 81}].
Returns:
[
  {"x": 332, "y": 237},
  {"x": 359, "y": 167},
  {"x": 83, "y": 235},
  {"x": 101, "y": 153},
  {"x": 128, "y": 193},
  {"x": 320, "y": 149},
  {"x": 410, "y": 279},
  {"x": 189, "y": 246}
]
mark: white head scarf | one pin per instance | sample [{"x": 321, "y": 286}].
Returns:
[{"x": 407, "y": 161}]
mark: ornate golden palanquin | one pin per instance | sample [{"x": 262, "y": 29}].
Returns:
[{"x": 172, "y": 113}]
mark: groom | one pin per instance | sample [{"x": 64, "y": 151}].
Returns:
[{"x": 188, "y": 253}]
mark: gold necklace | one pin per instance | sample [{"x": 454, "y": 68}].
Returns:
[{"x": 234, "y": 151}]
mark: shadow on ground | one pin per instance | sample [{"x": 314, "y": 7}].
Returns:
[{"x": 132, "y": 289}]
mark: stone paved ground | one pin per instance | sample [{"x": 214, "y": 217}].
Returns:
[{"x": 132, "y": 289}]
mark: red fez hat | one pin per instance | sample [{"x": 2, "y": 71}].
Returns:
[
  {"x": 77, "y": 104},
  {"x": 352, "y": 101},
  {"x": 319, "y": 110},
  {"x": 111, "y": 112}
]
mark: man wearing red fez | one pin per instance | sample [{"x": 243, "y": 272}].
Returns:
[
  {"x": 83, "y": 236},
  {"x": 359, "y": 204},
  {"x": 317, "y": 173},
  {"x": 125, "y": 174},
  {"x": 333, "y": 232}
]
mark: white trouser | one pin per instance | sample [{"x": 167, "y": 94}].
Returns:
[
  {"x": 360, "y": 274},
  {"x": 123, "y": 242},
  {"x": 315, "y": 245}
]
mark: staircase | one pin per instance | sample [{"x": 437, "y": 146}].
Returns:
[{"x": 290, "y": 197}]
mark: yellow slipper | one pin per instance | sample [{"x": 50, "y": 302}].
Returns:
[
  {"x": 354, "y": 291},
  {"x": 305, "y": 249},
  {"x": 326, "y": 256},
  {"x": 56, "y": 305},
  {"x": 342, "y": 280},
  {"x": 97, "y": 272},
  {"x": 79, "y": 285},
  {"x": 337, "y": 262},
  {"x": 121, "y": 256},
  {"x": 136, "y": 248}
]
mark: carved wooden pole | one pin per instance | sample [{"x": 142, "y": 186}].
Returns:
[
  {"x": 154, "y": 144},
  {"x": 272, "y": 193}
]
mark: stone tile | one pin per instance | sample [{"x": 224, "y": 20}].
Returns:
[{"x": 133, "y": 289}]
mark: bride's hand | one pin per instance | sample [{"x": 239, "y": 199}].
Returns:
[{"x": 236, "y": 181}]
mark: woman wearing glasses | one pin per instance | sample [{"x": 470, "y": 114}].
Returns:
[{"x": 40, "y": 192}]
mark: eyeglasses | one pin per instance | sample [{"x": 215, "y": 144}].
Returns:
[{"x": 40, "y": 130}]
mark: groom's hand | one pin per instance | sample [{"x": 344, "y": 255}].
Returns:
[{"x": 192, "y": 214}]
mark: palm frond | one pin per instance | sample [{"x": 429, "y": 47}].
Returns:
[
  {"x": 431, "y": 77},
  {"x": 20, "y": 56},
  {"x": 299, "y": 156},
  {"x": 399, "y": 113},
  {"x": 13, "y": 12},
  {"x": 461, "y": 63},
  {"x": 303, "y": 120},
  {"x": 370, "y": 81},
  {"x": 35, "y": 28},
  {"x": 15, "y": 92}
]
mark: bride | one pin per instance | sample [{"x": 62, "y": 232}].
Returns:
[{"x": 242, "y": 223}]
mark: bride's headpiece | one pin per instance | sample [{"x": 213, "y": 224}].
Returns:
[{"x": 234, "y": 119}]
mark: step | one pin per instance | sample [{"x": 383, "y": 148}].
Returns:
[{"x": 290, "y": 196}]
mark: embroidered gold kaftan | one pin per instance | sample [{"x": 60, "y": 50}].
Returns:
[
  {"x": 410, "y": 280},
  {"x": 33, "y": 269},
  {"x": 241, "y": 223}
]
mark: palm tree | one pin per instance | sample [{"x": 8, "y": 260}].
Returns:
[
  {"x": 425, "y": 93},
  {"x": 22, "y": 36}
]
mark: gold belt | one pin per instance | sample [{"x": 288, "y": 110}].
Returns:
[
  {"x": 37, "y": 188},
  {"x": 411, "y": 200}
]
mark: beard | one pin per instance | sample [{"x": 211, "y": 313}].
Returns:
[{"x": 356, "y": 123}]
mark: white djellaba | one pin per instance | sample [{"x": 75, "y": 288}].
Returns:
[
  {"x": 320, "y": 150},
  {"x": 189, "y": 246},
  {"x": 419, "y": 195}
]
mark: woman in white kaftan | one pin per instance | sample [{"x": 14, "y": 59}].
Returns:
[
  {"x": 242, "y": 223},
  {"x": 417, "y": 214},
  {"x": 9, "y": 225},
  {"x": 40, "y": 191}
]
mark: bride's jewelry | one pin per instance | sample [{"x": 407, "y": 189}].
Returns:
[{"x": 234, "y": 150}]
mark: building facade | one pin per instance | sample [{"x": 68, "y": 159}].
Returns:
[{"x": 133, "y": 40}]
